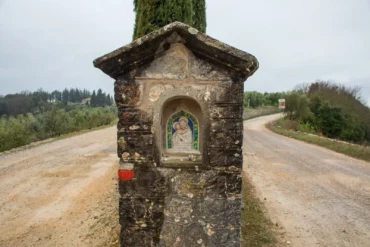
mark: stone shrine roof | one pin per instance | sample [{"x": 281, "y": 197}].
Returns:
[{"x": 144, "y": 50}]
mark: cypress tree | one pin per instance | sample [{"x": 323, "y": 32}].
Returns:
[
  {"x": 199, "y": 17},
  {"x": 93, "y": 99},
  {"x": 100, "y": 98},
  {"x": 65, "y": 96},
  {"x": 154, "y": 14}
]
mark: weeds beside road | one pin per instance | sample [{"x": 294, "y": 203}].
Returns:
[
  {"x": 353, "y": 150},
  {"x": 318, "y": 197},
  {"x": 257, "y": 229}
]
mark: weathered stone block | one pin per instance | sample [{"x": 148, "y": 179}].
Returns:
[
  {"x": 226, "y": 125},
  {"x": 170, "y": 234},
  {"x": 184, "y": 236},
  {"x": 214, "y": 185},
  {"x": 126, "y": 95},
  {"x": 172, "y": 64},
  {"x": 225, "y": 158},
  {"x": 134, "y": 142},
  {"x": 141, "y": 212},
  {"x": 207, "y": 183},
  {"x": 132, "y": 127},
  {"x": 231, "y": 140},
  {"x": 220, "y": 213},
  {"x": 138, "y": 237},
  {"x": 225, "y": 238},
  {"x": 227, "y": 111},
  {"x": 230, "y": 92},
  {"x": 123, "y": 80},
  {"x": 236, "y": 91},
  {"x": 202, "y": 70},
  {"x": 194, "y": 235},
  {"x": 234, "y": 183},
  {"x": 221, "y": 184},
  {"x": 147, "y": 183},
  {"x": 186, "y": 184},
  {"x": 129, "y": 114},
  {"x": 179, "y": 209}
]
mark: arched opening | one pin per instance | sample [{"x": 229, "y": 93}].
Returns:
[{"x": 181, "y": 129}]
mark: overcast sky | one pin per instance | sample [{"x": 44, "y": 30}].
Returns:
[{"x": 51, "y": 44}]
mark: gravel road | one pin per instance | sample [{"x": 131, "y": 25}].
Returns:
[
  {"x": 319, "y": 197},
  {"x": 64, "y": 193},
  {"x": 61, "y": 193}
]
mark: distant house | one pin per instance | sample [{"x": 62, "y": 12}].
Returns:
[{"x": 86, "y": 101}]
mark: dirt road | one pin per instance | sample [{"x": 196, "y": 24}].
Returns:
[
  {"x": 321, "y": 198},
  {"x": 61, "y": 193}
]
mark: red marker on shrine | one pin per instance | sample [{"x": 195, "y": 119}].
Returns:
[
  {"x": 126, "y": 175},
  {"x": 126, "y": 171},
  {"x": 126, "y": 116}
]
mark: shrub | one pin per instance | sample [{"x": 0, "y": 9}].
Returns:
[
  {"x": 297, "y": 106},
  {"x": 22, "y": 130},
  {"x": 306, "y": 128}
]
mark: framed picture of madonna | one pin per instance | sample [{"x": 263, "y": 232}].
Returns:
[{"x": 182, "y": 132}]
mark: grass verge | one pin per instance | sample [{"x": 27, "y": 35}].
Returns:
[
  {"x": 257, "y": 229},
  {"x": 353, "y": 150}
]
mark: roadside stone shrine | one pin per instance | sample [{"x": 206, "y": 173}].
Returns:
[{"x": 179, "y": 95}]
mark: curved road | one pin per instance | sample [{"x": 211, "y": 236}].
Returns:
[
  {"x": 63, "y": 193},
  {"x": 319, "y": 197}
]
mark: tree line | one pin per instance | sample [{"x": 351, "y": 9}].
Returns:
[
  {"x": 331, "y": 109},
  {"x": 42, "y": 101},
  {"x": 33, "y": 116},
  {"x": 254, "y": 99}
]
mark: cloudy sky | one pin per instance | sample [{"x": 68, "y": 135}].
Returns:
[{"x": 51, "y": 44}]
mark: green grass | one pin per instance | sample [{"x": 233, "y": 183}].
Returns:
[
  {"x": 257, "y": 229},
  {"x": 356, "y": 151}
]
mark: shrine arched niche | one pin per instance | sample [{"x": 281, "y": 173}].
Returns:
[{"x": 182, "y": 122}]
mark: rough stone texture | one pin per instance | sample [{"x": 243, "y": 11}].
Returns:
[
  {"x": 144, "y": 50},
  {"x": 179, "y": 203}
]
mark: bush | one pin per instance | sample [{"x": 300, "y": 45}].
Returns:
[
  {"x": 288, "y": 124},
  {"x": 297, "y": 106},
  {"x": 306, "y": 128},
  {"x": 353, "y": 130},
  {"x": 22, "y": 130},
  {"x": 330, "y": 120},
  {"x": 339, "y": 111},
  {"x": 57, "y": 122}
]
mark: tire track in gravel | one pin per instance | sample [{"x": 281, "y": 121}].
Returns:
[{"x": 60, "y": 193}]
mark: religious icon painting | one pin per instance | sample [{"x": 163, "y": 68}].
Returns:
[{"x": 182, "y": 132}]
